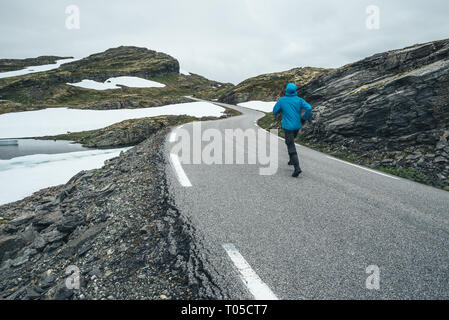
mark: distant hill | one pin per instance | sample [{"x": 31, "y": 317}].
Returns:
[
  {"x": 19, "y": 64},
  {"x": 122, "y": 61},
  {"x": 50, "y": 89},
  {"x": 271, "y": 86}
]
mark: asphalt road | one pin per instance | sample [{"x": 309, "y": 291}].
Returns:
[{"x": 314, "y": 237}]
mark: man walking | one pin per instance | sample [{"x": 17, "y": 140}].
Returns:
[{"x": 291, "y": 107}]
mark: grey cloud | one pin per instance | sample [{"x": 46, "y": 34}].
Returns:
[{"x": 223, "y": 40}]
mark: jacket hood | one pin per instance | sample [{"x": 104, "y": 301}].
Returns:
[{"x": 291, "y": 90}]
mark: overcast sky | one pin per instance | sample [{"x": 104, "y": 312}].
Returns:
[{"x": 225, "y": 40}]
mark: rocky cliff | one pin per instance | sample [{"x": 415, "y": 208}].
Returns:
[
  {"x": 117, "y": 225},
  {"x": 269, "y": 87},
  {"x": 389, "y": 111}
]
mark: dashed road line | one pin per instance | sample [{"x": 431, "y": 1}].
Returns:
[
  {"x": 176, "y": 163},
  {"x": 252, "y": 281},
  {"x": 180, "y": 173}
]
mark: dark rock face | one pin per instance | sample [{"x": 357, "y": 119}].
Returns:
[
  {"x": 395, "y": 102},
  {"x": 95, "y": 223},
  {"x": 10, "y": 245}
]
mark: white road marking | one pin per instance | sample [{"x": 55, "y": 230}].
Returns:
[
  {"x": 172, "y": 137},
  {"x": 360, "y": 167},
  {"x": 256, "y": 286},
  {"x": 180, "y": 173}
]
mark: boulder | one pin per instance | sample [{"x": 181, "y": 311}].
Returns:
[
  {"x": 9, "y": 245},
  {"x": 21, "y": 220}
]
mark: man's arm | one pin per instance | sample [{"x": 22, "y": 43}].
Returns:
[
  {"x": 277, "y": 107},
  {"x": 308, "y": 109}
]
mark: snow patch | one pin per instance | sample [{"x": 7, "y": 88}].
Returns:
[
  {"x": 94, "y": 85},
  {"x": 35, "y": 69},
  {"x": 116, "y": 83},
  {"x": 21, "y": 177},
  {"x": 54, "y": 121},
  {"x": 184, "y": 72},
  {"x": 259, "y": 105}
]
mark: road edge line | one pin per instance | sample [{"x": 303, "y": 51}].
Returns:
[
  {"x": 180, "y": 173},
  {"x": 252, "y": 281},
  {"x": 360, "y": 167}
]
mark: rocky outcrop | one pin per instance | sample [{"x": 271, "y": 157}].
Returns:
[
  {"x": 122, "y": 61},
  {"x": 123, "y": 134},
  {"x": 270, "y": 87},
  {"x": 19, "y": 64},
  {"x": 392, "y": 107},
  {"x": 117, "y": 225}
]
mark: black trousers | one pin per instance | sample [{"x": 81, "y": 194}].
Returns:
[{"x": 290, "y": 136}]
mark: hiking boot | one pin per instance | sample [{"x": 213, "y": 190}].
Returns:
[
  {"x": 295, "y": 161},
  {"x": 297, "y": 172}
]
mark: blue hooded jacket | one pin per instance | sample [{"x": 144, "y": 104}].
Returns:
[{"x": 291, "y": 107}]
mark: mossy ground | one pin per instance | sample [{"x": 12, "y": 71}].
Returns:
[
  {"x": 4, "y": 220},
  {"x": 407, "y": 173}
]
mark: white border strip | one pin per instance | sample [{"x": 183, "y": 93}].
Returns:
[
  {"x": 256, "y": 286},
  {"x": 180, "y": 173},
  {"x": 360, "y": 167}
]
